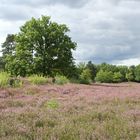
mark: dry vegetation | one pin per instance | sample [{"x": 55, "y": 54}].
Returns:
[{"x": 70, "y": 112}]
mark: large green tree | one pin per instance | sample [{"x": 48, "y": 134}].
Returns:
[{"x": 42, "y": 47}]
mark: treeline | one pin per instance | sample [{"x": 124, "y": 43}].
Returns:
[
  {"x": 107, "y": 73},
  {"x": 43, "y": 47}
]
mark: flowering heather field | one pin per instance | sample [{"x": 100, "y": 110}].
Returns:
[{"x": 71, "y": 112}]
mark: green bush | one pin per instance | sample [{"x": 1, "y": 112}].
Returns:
[
  {"x": 4, "y": 79},
  {"x": 15, "y": 82},
  {"x": 117, "y": 77},
  {"x": 37, "y": 79},
  {"x": 137, "y": 73},
  {"x": 130, "y": 76},
  {"x": 61, "y": 80},
  {"x": 104, "y": 76},
  {"x": 74, "y": 80},
  {"x": 85, "y": 77}
]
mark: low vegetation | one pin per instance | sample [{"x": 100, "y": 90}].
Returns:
[
  {"x": 37, "y": 79},
  {"x": 4, "y": 79},
  {"x": 61, "y": 80},
  {"x": 85, "y": 77},
  {"x": 61, "y": 117}
]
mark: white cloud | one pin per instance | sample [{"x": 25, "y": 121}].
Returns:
[
  {"x": 128, "y": 62},
  {"x": 105, "y": 30}
]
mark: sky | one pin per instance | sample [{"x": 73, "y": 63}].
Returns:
[{"x": 105, "y": 30}]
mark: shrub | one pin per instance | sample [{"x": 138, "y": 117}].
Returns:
[
  {"x": 61, "y": 80},
  {"x": 117, "y": 77},
  {"x": 137, "y": 73},
  {"x": 15, "y": 82},
  {"x": 130, "y": 76},
  {"x": 37, "y": 79},
  {"x": 104, "y": 76},
  {"x": 4, "y": 79},
  {"x": 75, "y": 80},
  {"x": 85, "y": 77}
]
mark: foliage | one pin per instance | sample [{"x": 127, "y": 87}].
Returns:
[
  {"x": 117, "y": 77},
  {"x": 93, "y": 69},
  {"x": 137, "y": 73},
  {"x": 130, "y": 76},
  {"x": 85, "y": 77},
  {"x": 15, "y": 82},
  {"x": 7, "y": 48},
  {"x": 104, "y": 76},
  {"x": 37, "y": 79},
  {"x": 42, "y": 47},
  {"x": 123, "y": 70},
  {"x": 61, "y": 80},
  {"x": 81, "y": 66},
  {"x": 9, "y": 44},
  {"x": 52, "y": 104},
  {"x": 4, "y": 79},
  {"x": 2, "y": 64}
]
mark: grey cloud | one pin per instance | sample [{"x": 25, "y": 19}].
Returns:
[
  {"x": 21, "y": 10},
  {"x": 112, "y": 32},
  {"x": 15, "y": 13},
  {"x": 12, "y": 13},
  {"x": 71, "y": 3},
  {"x": 105, "y": 30}
]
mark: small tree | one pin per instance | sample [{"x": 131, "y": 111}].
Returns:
[
  {"x": 137, "y": 73},
  {"x": 93, "y": 69},
  {"x": 117, "y": 77},
  {"x": 130, "y": 76},
  {"x": 7, "y": 49},
  {"x": 123, "y": 70},
  {"x": 85, "y": 77},
  {"x": 104, "y": 76}
]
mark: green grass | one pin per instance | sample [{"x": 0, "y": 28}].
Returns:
[
  {"x": 61, "y": 80},
  {"x": 4, "y": 79},
  {"x": 37, "y": 79},
  {"x": 52, "y": 104}
]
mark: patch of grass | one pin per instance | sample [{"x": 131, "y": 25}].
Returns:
[
  {"x": 38, "y": 79},
  {"x": 61, "y": 80},
  {"x": 4, "y": 79},
  {"x": 15, "y": 82},
  {"x": 52, "y": 104}
]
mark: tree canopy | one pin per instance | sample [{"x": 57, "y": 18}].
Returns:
[{"x": 42, "y": 47}]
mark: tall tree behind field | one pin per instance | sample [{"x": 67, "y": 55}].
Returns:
[{"x": 42, "y": 47}]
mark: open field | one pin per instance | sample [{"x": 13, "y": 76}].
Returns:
[{"x": 71, "y": 112}]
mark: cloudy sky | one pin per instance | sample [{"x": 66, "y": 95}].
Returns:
[{"x": 105, "y": 30}]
